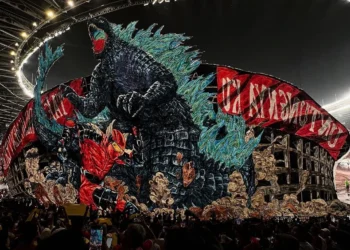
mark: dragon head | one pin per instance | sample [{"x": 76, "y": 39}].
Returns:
[{"x": 99, "y": 30}]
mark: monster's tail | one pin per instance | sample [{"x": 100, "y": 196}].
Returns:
[
  {"x": 210, "y": 184},
  {"x": 48, "y": 130}
]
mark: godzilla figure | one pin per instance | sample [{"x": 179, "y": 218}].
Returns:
[
  {"x": 126, "y": 79},
  {"x": 98, "y": 151},
  {"x": 141, "y": 78}
]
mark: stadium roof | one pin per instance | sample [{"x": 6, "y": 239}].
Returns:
[{"x": 24, "y": 26}]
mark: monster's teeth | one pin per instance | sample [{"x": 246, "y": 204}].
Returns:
[{"x": 92, "y": 28}]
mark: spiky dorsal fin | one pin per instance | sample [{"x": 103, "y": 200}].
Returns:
[
  {"x": 181, "y": 61},
  {"x": 166, "y": 49}
]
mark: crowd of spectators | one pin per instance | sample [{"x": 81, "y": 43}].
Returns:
[{"x": 51, "y": 228}]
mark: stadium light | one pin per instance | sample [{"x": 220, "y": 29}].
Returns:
[
  {"x": 50, "y": 13},
  {"x": 24, "y": 34},
  {"x": 70, "y": 3},
  {"x": 35, "y": 24},
  {"x": 336, "y": 102},
  {"x": 340, "y": 109}
]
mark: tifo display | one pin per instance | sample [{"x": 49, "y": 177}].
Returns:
[{"x": 153, "y": 129}]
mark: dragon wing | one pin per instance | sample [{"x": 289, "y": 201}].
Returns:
[{"x": 95, "y": 158}]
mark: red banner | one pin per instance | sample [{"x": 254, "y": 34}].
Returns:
[
  {"x": 266, "y": 101},
  {"x": 21, "y": 131}
]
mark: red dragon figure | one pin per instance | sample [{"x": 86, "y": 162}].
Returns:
[{"x": 97, "y": 160}]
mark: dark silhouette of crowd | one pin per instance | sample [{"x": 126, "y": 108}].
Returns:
[{"x": 52, "y": 229}]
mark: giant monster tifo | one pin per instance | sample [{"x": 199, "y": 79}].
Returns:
[
  {"x": 141, "y": 79},
  {"x": 145, "y": 81}
]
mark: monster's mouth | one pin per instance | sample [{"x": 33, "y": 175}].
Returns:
[{"x": 98, "y": 37}]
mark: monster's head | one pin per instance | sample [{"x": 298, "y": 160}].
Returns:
[{"x": 100, "y": 32}]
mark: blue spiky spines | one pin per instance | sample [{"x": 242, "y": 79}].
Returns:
[
  {"x": 232, "y": 150},
  {"x": 48, "y": 130},
  {"x": 167, "y": 49},
  {"x": 211, "y": 179}
]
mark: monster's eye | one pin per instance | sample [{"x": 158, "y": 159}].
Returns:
[{"x": 98, "y": 37}]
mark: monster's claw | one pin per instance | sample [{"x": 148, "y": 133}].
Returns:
[
  {"x": 65, "y": 90},
  {"x": 119, "y": 100},
  {"x": 125, "y": 103},
  {"x": 131, "y": 103},
  {"x": 138, "y": 111},
  {"x": 122, "y": 103},
  {"x": 136, "y": 101}
]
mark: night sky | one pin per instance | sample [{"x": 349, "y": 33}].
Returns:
[{"x": 306, "y": 42}]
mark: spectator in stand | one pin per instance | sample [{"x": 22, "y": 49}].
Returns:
[
  {"x": 285, "y": 242},
  {"x": 188, "y": 239},
  {"x": 63, "y": 240},
  {"x": 317, "y": 241},
  {"x": 301, "y": 232},
  {"x": 59, "y": 226},
  {"x": 134, "y": 237},
  {"x": 156, "y": 227},
  {"x": 46, "y": 231},
  {"x": 342, "y": 238},
  {"x": 27, "y": 238},
  {"x": 326, "y": 235},
  {"x": 3, "y": 238},
  {"x": 246, "y": 241},
  {"x": 190, "y": 234}
]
